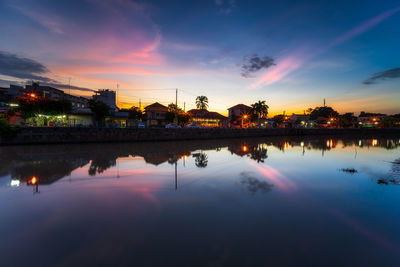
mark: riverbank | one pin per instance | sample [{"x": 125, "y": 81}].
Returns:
[{"x": 100, "y": 135}]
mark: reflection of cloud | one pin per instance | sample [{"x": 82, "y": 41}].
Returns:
[
  {"x": 253, "y": 184},
  {"x": 387, "y": 74},
  {"x": 281, "y": 181},
  {"x": 225, "y": 6}
]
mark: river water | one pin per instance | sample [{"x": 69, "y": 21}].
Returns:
[{"x": 251, "y": 202}]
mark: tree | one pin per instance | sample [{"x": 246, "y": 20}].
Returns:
[
  {"x": 260, "y": 109},
  {"x": 202, "y": 160},
  {"x": 348, "y": 120},
  {"x": 31, "y": 107},
  {"x": 135, "y": 113},
  {"x": 100, "y": 110},
  {"x": 202, "y": 102},
  {"x": 278, "y": 120},
  {"x": 326, "y": 112},
  {"x": 173, "y": 108}
]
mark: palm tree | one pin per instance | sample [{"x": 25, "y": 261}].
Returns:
[
  {"x": 202, "y": 102},
  {"x": 260, "y": 108}
]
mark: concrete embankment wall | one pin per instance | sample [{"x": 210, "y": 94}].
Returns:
[{"x": 92, "y": 135}]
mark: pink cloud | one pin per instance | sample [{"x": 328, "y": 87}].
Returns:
[
  {"x": 291, "y": 63},
  {"x": 283, "y": 68},
  {"x": 363, "y": 27}
]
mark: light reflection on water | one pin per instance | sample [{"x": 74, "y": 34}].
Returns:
[{"x": 276, "y": 201}]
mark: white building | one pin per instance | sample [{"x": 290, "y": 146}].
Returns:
[{"x": 106, "y": 96}]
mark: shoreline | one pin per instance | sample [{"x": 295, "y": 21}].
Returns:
[{"x": 54, "y": 135}]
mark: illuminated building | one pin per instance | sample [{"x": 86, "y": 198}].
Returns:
[{"x": 205, "y": 118}]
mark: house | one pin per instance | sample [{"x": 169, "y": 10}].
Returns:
[
  {"x": 155, "y": 114},
  {"x": 118, "y": 119},
  {"x": 370, "y": 120},
  {"x": 205, "y": 118},
  {"x": 238, "y": 115}
]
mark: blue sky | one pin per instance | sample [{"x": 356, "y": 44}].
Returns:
[{"x": 318, "y": 49}]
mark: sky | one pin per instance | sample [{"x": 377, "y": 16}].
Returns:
[{"x": 293, "y": 54}]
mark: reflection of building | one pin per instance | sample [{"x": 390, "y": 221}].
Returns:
[
  {"x": 107, "y": 97},
  {"x": 155, "y": 114},
  {"x": 205, "y": 118}
]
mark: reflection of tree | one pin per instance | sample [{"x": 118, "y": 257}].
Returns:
[
  {"x": 46, "y": 171},
  {"x": 99, "y": 165},
  {"x": 201, "y": 160},
  {"x": 254, "y": 185},
  {"x": 258, "y": 153},
  {"x": 174, "y": 159}
]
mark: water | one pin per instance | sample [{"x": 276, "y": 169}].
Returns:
[{"x": 255, "y": 202}]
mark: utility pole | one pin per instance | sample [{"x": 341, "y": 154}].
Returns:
[
  {"x": 140, "y": 104},
  {"x": 176, "y": 175},
  {"x": 117, "y": 95},
  {"x": 324, "y": 103},
  {"x": 176, "y": 105},
  {"x": 184, "y": 106}
]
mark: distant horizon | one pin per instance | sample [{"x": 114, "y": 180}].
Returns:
[{"x": 292, "y": 54}]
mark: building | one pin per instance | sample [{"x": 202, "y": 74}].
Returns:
[
  {"x": 155, "y": 114},
  {"x": 107, "y": 97},
  {"x": 239, "y": 115},
  {"x": 78, "y": 102},
  {"x": 205, "y": 118},
  {"x": 370, "y": 120}
]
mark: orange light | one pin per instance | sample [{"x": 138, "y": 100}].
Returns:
[
  {"x": 374, "y": 142},
  {"x": 286, "y": 145},
  {"x": 245, "y": 116},
  {"x": 33, "y": 95},
  {"x": 33, "y": 180},
  {"x": 244, "y": 148}
]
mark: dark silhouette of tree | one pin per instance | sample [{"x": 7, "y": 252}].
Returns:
[
  {"x": 258, "y": 153},
  {"x": 30, "y": 107},
  {"x": 202, "y": 102},
  {"x": 101, "y": 164},
  {"x": 100, "y": 110},
  {"x": 326, "y": 112},
  {"x": 135, "y": 113},
  {"x": 202, "y": 160},
  {"x": 260, "y": 109},
  {"x": 278, "y": 120}
]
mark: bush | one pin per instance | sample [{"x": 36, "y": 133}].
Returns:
[{"x": 7, "y": 131}]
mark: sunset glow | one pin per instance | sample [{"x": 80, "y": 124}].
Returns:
[{"x": 147, "y": 47}]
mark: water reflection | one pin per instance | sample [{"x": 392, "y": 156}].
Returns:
[
  {"x": 217, "y": 202},
  {"x": 253, "y": 184},
  {"x": 51, "y": 163}
]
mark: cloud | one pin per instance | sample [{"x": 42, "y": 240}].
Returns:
[
  {"x": 387, "y": 74},
  {"x": 255, "y": 63},
  {"x": 23, "y": 68},
  {"x": 286, "y": 66},
  {"x": 225, "y": 6},
  {"x": 27, "y": 69}
]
